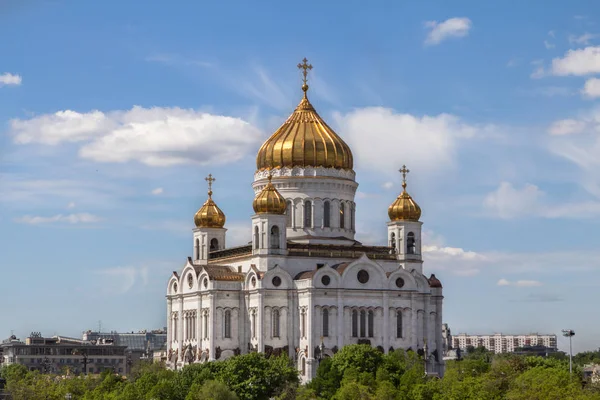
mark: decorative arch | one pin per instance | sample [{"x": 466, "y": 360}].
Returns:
[
  {"x": 275, "y": 237},
  {"x": 214, "y": 244}
]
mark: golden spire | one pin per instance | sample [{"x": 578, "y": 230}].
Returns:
[
  {"x": 269, "y": 200},
  {"x": 305, "y": 67},
  {"x": 209, "y": 215},
  {"x": 404, "y": 208}
]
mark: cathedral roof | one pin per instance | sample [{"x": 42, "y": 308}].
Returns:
[
  {"x": 269, "y": 201},
  {"x": 223, "y": 273},
  {"x": 304, "y": 140},
  {"x": 404, "y": 208}
]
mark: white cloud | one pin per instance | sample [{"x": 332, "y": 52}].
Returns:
[
  {"x": 425, "y": 144},
  {"x": 513, "y": 62},
  {"x": 71, "y": 205},
  {"x": 10, "y": 79},
  {"x": 583, "y": 39},
  {"x": 152, "y": 136},
  {"x": 549, "y": 45},
  {"x": 387, "y": 185},
  {"x": 509, "y": 202},
  {"x": 578, "y": 62},
  {"x": 519, "y": 283},
  {"x": 157, "y": 191},
  {"x": 591, "y": 88},
  {"x": 551, "y": 33},
  {"x": 453, "y": 27},
  {"x": 567, "y": 127},
  {"x": 120, "y": 280},
  {"x": 81, "y": 218}
]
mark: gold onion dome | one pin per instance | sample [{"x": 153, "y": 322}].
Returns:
[
  {"x": 304, "y": 140},
  {"x": 269, "y": 201},
  {"x": 404, "y": 208},
  {"x": 209, "y": 215}
]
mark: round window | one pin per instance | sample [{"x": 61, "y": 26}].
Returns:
[
  {"x": 399, "y": 282},
  {"x": 363, "y": 276},
  {"x": 205, "y": 282},
  {"x": 190, "y": 281},
  {"x": 276, "y": 281},
  {"x": 175, "y": 287},
  {"x": 253, "y": 281},
  {"x": 325, "y": 280}
]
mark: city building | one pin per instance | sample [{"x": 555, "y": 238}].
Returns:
[
  {"x": 303, "y": 285},
  {"x": 63, "y": 355},
  {"x": 501, "y": 343},
  {"x": 140, "y": 345}
]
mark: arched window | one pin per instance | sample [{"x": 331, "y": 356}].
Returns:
[
  {"x": 371, "y": 321},
  {"x": 393, "y": 242},
  {"x": 276, "y": 323},
  {"x": 289, "y": 212},
  {"x": 354, "y": 323},
  {"x": 307, "y": 214},
  {"x": 325, "y": 323},
  {"x": 352, "y": 217},
  {"x": 275, "y": 237},
  {"x": 326, "y": 215},
  {"x": 197, "y": 249},
  {"x": 254, "y": 324},
  {"x": 342, "y": 215},
  {"x": 398, "y": 324},
  {"x": 227, "y": 324},
  {"x": 363, "y": 323},
  {"x": 256, "y": 238},
  {"x": 214, "y": 244},
  {"x": 303, "y": 366},
  {"x": 410, "y": 243}
]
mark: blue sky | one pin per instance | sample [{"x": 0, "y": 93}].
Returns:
[{"x": 112, "y": 114}]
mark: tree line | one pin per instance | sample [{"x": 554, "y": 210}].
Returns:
[{"x": 355, "y": 372}]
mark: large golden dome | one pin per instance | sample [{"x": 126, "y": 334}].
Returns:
[
  {"x": 209, "y": 215},
  {"x": 304, "y": 140},
  {"x": 269, "y": 201},
  {"x": 404, "y": 208}
]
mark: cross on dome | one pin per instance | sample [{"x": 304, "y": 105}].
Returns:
[
  {"x": 404, "y": 171},
  {"x": 210, "y": 180},
  {"x": 305, "y": 67}
]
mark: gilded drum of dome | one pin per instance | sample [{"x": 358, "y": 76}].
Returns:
[{"x": 304, "y": 140}]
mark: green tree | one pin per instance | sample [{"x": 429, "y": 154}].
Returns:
[
  {"x": 362, "y": 357},
  {"x": 542, "y": 383},
  {"x": 210, "y": 390}
]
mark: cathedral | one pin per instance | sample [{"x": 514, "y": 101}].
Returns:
[{"x": 303, "y": 286}]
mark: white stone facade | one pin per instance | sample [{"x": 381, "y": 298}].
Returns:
[{"x": 304, "y": 280}]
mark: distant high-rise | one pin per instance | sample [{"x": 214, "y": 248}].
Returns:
[{"x": 501, "y": 343}]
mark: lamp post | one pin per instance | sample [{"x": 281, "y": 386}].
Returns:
[
  {"x": 84, "y": 355},
  {"x": 46, "y": 364},
  {"x": 570, "y": 333},
  {"x": 321, "y": 350}
]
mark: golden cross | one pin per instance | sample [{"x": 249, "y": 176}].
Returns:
[
  {"x": 210, "y": 180},
  {"x": 305, "y": 68},
  {"x": 404, "y": 171}
]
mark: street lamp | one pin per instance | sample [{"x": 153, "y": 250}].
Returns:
[
  {"x": 570, "y": 333},
  {"x": 84, "y": 355},
  {"x": 46, "y": 364},
  {"x": 321, "y": 350}
]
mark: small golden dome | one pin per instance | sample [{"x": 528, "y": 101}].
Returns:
[
  {"x": 304, "y": 140},
  {"x": 269, "y": 201},
  {"x": 209, "y": 215},
  {"x": 404, "y": 208}
]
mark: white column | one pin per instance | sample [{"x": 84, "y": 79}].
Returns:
[
  {"x": 386, "y": 322},
  {"x": 260, "y": 323},
  {"x": 180, "y": 329},
  {"x": 413, "y": 326},
  {"x": 310, "y": 370},
  {"x": 211, "y": 326},
  {"x": 340, "y": 318},
  {"x": 170, "y": 322}
]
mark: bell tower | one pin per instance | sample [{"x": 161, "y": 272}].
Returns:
[{"x": 209, "y": 234}]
